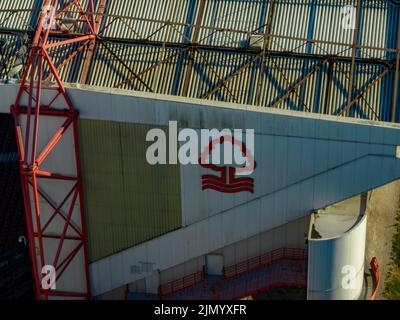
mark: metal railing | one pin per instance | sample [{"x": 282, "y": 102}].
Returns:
[
  {"x": 264, "y": 260},
  {"x": 181, "y": 284},
  {"x": 239, "y": 289}
]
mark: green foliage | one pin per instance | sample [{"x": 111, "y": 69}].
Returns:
[
  {"x": 392, "y": 290},
  {"x": 396, "y": 248}
]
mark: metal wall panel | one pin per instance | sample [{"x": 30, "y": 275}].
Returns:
[
  {"x": 140, "y": 61},
  {"x": 131, "y": 19},
  {"x": 375, "y": 21},
  {"x": 20, "y": 15},
  {"x": 223, "y": 16},
  {"x": 226, "y": 23},
  {"x": 231, "y": 76},
  {"x": 328, "y": 27},
  {"x": 321, "y": 93},
  {"x": 291, "y": 19},
  {"x": 127, "y": 200},
  {"x": 326, "y": 259}
]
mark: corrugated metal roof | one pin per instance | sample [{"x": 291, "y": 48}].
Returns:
[
  {"x": 19, "y": 15},
  {"x": 120, "y": 24},
  {"x": 226, "y": 22},
  {"x": 226, "y": 69}
]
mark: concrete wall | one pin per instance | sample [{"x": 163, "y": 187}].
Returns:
[{"x": 291, "y": 235}]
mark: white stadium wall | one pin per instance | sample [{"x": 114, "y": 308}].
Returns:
[
  {"x": 291, "y": 235},
  {"x": 304, "y": 162}
]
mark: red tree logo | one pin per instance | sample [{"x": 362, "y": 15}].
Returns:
[{"x": 226, "y": 181}]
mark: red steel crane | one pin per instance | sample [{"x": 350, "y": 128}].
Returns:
[{"x": 50, "y": 168}]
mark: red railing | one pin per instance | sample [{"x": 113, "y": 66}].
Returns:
[
  {"x": 180, "y": 284},
  {"x": 264, "y": 260},
  {"x": 377, "y": 275},
  {"x": 240, "y": 269}
]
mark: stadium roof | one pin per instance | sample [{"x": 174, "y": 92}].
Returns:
[{"x": 282, "y": 54}]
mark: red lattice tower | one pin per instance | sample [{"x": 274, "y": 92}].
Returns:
[{"x": 46, "y": 124}]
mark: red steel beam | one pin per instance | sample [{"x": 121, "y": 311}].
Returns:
[
  {"x": 89, "y": 57},
  {"x": 69, "y": 41},
  {"x": 30, "y": 114}
]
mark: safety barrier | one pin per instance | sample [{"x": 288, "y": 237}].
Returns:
[
  {"x": 264, "y": 260},
  {"x": 180, "y": 284},
  {"x": 262, "y": 283},
  {"x": 231, "y": 284},
  {"x": 376, "y": 272}
]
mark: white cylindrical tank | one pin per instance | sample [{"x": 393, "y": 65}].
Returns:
[{"x": 336, "y": 264}]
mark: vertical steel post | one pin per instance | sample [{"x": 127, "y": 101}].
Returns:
[
  {"x": 396, "y": 76},
  {"x": 91, "y": 47},
  {"x": 265, "y": 50},
  {"x": 195, "y": 41},
  {"x": 353, "y": 56},
  {"x": 329, "y": 77}
]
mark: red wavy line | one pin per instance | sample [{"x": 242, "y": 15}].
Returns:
[
  {"x": 229, "y": 190},
  {"x": 229, "y": 186}
]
